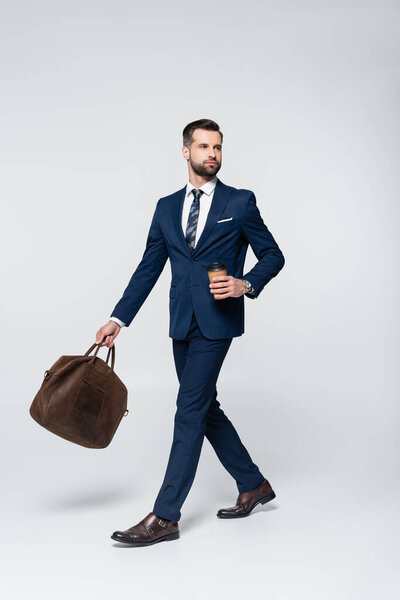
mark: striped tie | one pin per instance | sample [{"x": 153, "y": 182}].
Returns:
[{"x": 192, "y": 220}]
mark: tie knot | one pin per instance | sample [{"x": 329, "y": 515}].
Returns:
[{"x": 197, "y": 194}]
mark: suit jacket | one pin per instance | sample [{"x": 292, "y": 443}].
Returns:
[{"x": 233, "y": 222}]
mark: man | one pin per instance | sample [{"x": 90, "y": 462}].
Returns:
[{"x": 204, "y": 222}]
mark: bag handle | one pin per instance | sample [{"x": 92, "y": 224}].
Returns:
[{"x": 110, "y": 350}]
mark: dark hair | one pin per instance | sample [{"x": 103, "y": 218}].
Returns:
[{"x": 199, "y": 124}]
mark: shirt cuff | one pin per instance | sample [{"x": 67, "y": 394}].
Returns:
[{"x": 120, "y": 323}]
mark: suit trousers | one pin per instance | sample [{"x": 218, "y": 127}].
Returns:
[{"x": 198, "y": 361}]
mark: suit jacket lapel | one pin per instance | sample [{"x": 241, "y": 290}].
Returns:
[{"x": 178, "y": 220}]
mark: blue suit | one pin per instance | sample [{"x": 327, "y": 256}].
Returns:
[
  {"x": 226, "y": 241},
  {"x": 202, "y": 328}
]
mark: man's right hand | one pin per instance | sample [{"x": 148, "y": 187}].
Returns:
[{"x": 107, "y": 334}]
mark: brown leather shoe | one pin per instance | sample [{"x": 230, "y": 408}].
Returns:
[
  {"x": 149, "y": 530},
  {"x": 246, "y": 501}
]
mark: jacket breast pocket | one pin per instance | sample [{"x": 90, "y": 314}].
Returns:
[{"x": 172, "y": 291}]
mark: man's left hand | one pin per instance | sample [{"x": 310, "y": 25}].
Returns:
[{"x": 226, "y": 286}]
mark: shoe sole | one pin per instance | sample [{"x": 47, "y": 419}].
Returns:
[
  {"x": 164, "y": 538},
  {"x": 267, "y": 498}
]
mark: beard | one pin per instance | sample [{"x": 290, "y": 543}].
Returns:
[{"x": 204, "y": 170}]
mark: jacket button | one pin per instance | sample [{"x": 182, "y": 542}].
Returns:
[{"x": 192, "y": 260}]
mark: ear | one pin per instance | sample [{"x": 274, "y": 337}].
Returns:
[{"x": 185, "y": 152}]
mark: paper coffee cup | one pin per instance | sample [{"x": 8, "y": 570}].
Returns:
[{"x": 215, "y": 269}]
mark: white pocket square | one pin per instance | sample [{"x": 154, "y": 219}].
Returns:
[{"x": 222, "y": 220}]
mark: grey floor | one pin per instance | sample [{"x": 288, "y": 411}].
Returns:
[{"x": 331, "y": 535}]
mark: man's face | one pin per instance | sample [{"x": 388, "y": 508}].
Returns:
[{"x": 205, "y": 152}]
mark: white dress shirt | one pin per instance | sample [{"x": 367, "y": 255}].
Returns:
[{"x": 205, "y": 203}]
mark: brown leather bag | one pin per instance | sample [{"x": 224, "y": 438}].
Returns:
[{"x": 81, "y": 399}]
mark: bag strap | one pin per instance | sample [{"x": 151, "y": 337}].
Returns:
[{"x": 110, "y": 350}]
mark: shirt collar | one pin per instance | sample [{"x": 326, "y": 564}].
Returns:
[{"x": 207, "y": 187}]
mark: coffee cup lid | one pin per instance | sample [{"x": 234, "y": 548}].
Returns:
[{"x": 216, "y": 266}]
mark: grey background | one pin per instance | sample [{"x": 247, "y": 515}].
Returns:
[{"x": 94, "y": 99}]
